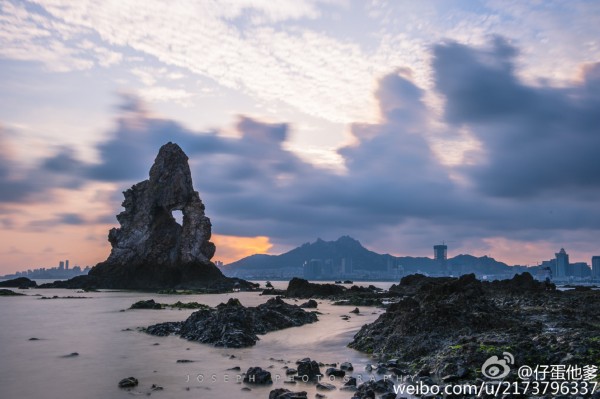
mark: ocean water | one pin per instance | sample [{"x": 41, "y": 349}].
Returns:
[{"x": 110, "y": 348}]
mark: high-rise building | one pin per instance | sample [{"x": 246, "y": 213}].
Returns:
[
  {"x": 551, "y": 266},
  {"x": 347, "y": 268},
  {"x": 562, "y": 264},
  {"x": 440, "y": 252},
  {"x": 580, "y": 269},
  {"x": 61, "y": 265},
  {"x": 313, "y": 269},
  {"x": 67, "y": 264},
  {"x": 596, "y": 268},
  {"x": 440, "y": 255}
]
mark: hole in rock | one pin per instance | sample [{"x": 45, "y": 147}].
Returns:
[{"x": 178, "y": 216}]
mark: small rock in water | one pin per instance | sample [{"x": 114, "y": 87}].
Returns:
[
  {"x": 356, "y": 311},
  {"x": 73, "y": 354},
  {"x": 335, "y": 372},
  {"x": 308, "y": 369},
  {"x": 282, "y": 393},
  {"x": 236, "y": 368},
  {"x": 149, "y": 304},
  {"x": 325, "y": 386},
  {"x": 34, "y": 339},
  {"x": 185, "y": 361},
  {"x": 256, "y": 375},
  {"x": 346, "y": 366},
  {"x": 351, "y": 382},
  {"x": 128, "y": 382},
  {"x": 156, "y": 387}
]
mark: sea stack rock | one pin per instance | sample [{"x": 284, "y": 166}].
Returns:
[{"x": 151, "y": 250}]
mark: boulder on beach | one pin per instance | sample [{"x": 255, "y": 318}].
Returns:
[{"x": 233, "y": 325}]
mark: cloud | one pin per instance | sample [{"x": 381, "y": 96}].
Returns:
[
  {"x": 537, "y": 178},
  {"x": 536, "y": 140},
  {"x": 240, "y": 45}
]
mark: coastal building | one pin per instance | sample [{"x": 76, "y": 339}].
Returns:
[
  {"x": 596, "y": 268},
  {"x": 67, "y": 264},
  {"x": 580, "y": 270},
  {"x": 562, "y": 264},
  {"x": 313, "y": 269},
  {"x": 551, "y": 266},
  {"x": 347, "y": 268},
  {"x": 440, "y": 253}
]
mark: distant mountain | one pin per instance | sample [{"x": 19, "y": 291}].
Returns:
[
  {"x": 362, "y": 259},
  {"x": 344, "y": 247}
]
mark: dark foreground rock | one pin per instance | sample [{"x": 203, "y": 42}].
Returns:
[
  {"x": 233, "y": 325},
  {"x": 451, "y": 326},
  {"x": 150, "y": 250},
  {"x": 19, "y": 282}
]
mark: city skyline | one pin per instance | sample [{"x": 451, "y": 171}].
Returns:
[{"x": 470, "y": 123}]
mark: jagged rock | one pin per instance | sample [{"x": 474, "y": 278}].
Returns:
[
  {"x": 19, "y": 282},
  {"x": 149, "y": 304},
  {"x": 310, "y": 304},
  {"x": 300, "y": 288},
  {"x": 150, "y": 250},
  {"x": 282, "y": 393},
  {"x": 233, "y": 325},
  {"x": 256, "y": 375}
]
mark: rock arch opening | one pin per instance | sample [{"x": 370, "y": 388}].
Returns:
[{"x": 178, "y": 216}]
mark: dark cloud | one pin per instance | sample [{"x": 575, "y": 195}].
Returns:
[
  {"x": 538, "y": 140},
  {"x": 538, "y": 179}
]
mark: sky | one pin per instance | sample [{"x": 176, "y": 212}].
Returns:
[{"x": 403, "y": 124}]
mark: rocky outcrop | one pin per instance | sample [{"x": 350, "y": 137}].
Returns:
[
  {"x": 233, "y": 325},
  {"x": 147, "y": 304},
  {"x": 19, "y": 282},
  {"x": 5, "y": 292},
  {"x": 300, "y": 288},
  {"x": 150, "y": 249},
  {"x": 530, "y": 319},
  {"x": 354, "y": 296}
]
